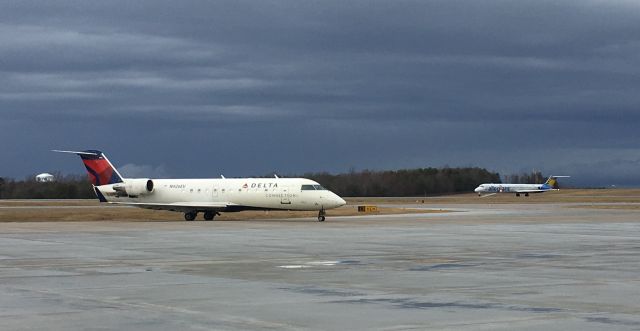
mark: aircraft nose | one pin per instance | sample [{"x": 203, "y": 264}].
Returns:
[
  {"x": 338, "y": 201},
  {"x": 477, "y": 189}
]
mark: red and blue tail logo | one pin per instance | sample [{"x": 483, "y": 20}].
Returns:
[{"x": 100, "y": 170}]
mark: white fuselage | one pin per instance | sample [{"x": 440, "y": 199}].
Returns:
[
  {"x": 236, "y": 193},
  {"x": 512, "y": 188}
]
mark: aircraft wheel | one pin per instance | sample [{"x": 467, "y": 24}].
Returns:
[
  {"x": 526, "y": 194},
  {"x": 321, "y": 215},
  {"x": 320, "y": 218},
  {"x": 190, "y": 216},
  {"x": 517, "y": 194},
  {"x": 209, "y": 215}
]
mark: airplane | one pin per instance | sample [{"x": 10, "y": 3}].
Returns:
[
  {"x": 491, "y": 189},
  {"x": 207, "y": 196}
]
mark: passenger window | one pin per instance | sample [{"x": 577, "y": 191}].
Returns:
[{"x": 308, "y": 188}]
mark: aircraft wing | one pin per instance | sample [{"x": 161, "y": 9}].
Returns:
[
  {"x": 184, "y": 206},
  {"x": 530, "y": 191}
]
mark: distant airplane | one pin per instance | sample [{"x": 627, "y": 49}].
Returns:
[
  {"x": 209, "y": 196},
  {"x": 491, "y": 189}
]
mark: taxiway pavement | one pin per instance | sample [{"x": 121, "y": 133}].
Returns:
[{"x": 527, "y": 267}]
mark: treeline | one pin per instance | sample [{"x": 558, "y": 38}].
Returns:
[
  {"x": 535, "y": 177},
  {"x": 65, "y": 187},
  {"x": 365, "y": 183},
  {"x": 411, "y": 182}
]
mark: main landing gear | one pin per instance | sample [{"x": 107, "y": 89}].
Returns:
[
  {"x": 208, "y": 215},
  {"x": 321, "y": 215},
  {"x": 190, "y": 216}
]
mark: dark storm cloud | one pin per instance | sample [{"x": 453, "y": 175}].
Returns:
[{"x": 246, "y": 87}]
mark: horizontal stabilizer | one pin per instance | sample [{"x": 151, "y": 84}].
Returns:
[{"x": 94, "y": 153}]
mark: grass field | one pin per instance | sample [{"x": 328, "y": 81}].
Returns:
[
  {"x": 92, "y": 210},
  {"x": 562, "y": 196},
  {"x": 80, "y": 210}
]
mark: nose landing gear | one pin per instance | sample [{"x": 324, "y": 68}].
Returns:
[{"x": 321, "y": 215}]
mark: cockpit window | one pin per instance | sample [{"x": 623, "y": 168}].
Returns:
[
  {"x": 319, "y": 187},
  {"x": 308, "y": 188}
]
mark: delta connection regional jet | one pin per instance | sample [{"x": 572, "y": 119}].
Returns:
[
  {"x": 491, "y": 189},
  {"x": 209, "y": 196}
]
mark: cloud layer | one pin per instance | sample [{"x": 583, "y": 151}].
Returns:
[{"x": 252, "y": 87}]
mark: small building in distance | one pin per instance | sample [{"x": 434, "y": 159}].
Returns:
[{"x": 45, "y": 178}]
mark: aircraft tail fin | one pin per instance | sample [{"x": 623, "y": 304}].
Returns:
[
  {"x": 100, "y": 170},
  {"x": 553, "y": 181}
]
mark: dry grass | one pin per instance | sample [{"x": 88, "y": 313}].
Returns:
[
  {"x": 74, "y": 212},
  {"x": 562, "y": 196},
  {"x": 38, "y": 203},
  {"x": 616, "y": 207},
  {"x": 92, "y": 210}
]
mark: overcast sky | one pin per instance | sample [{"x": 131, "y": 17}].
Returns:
[{"x": 203, "y": 88}]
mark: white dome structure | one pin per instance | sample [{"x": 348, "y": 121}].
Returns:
[{"x": 45, "y": 177}]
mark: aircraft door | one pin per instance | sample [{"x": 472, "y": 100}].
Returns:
[{"x": 285, "y": 197}]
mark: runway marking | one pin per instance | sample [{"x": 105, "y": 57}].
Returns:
[
  {"x": 323, "y": 263},
  {"x": 318, "y": 264}
]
